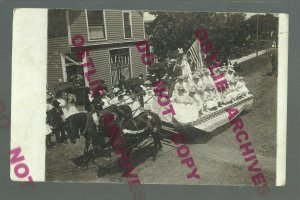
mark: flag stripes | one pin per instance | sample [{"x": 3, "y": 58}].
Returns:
[{"x": 195, "y": 54}]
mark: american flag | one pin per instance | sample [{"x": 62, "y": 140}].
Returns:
[{"x": 195, "y": 54}]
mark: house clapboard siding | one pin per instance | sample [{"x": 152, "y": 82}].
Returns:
[
  {"x": 54, "y": 69},
  {"x": 76, "y": 22},
  {"x": 137, "y": 66},
  {"x": 114, "y": 26}
]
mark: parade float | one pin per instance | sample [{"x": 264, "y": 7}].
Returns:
[{"x": 187, "y": 116}]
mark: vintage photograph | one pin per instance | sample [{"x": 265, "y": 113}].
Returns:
[{"x": 162, "y": 97}]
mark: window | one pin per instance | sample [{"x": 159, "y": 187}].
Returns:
[
  {"x": 57, "y": 23},
  {"x": 127, "y": 25},
  {"x": 96, "y": 25},
  {"x": 120, "y": 64}
]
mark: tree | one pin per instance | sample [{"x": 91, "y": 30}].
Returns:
[{"x": 229, "y": 32}]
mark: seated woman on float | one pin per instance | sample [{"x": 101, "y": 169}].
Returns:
[
  {"x": 241, "y": 87},
  {"x": 198, "y": 82},
  {"x": 198, "y": 100},
  {"x": 184, "y": 106},
  {"x": 211, "y": 98},
  {"x": 181, "y": 97},
  {"x": 231, "y": 94},
  {"x": 180, "y": 83},
  {"x": 207, "y": 79}
]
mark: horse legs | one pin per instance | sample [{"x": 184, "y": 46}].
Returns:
[
  {"x": 157, "y": 144},
  {"x": 87, "y": 145}
]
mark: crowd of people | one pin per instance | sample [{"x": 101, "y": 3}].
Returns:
[{"x": 59, "y": 108}]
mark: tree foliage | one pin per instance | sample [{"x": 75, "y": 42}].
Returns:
[{"x": 231, "y": 33}]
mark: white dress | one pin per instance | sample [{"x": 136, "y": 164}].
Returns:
[
  {"x": 177, "y": 85},
  {"x": 185, "y": 108},
  {"x": 242, "y": 89},
  {"x": 228, "y": 77},
  {"x": 48, "y": 127},
  {"x": 114, "y": 100},
  {"x": 71, "y": 108},
  {"x": 126, "y": 100},
  {"x": 208, "y": 81},
  {"x": 211, "y": 100},
  {"x": 186, "y": 69},
  {"x": 106, "y": 101},
  {"x": 135, "y": 107},
  {"x": 231, "y": 94},
  {"x": 199, "y": 86}
]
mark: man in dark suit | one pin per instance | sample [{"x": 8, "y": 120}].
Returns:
[{"x": 57, "y": 122}]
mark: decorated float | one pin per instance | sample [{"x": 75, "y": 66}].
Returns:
[{"x": 188, "y": 115}]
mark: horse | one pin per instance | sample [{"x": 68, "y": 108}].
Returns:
[
  {"x": 133, "y": 130},
  {"x": 82, "y": 122}
]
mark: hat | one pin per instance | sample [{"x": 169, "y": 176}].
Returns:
[
  {"x": 230, "y": 70},
  {"x": 172, "y": 61},
  {"x": 180, "y": 77},
  {"x": 200, "y": 89},
  {"x": 196, "y": 76},
  {"x": 102, "y": 92},
  {"x": 233, "y": 80},
  {"x": 49, "y": 95},
  {"x": 193, "y": 90},
  {"x": 123, "y": 93},
  {"x": 180, "y": 88},
  {"x": 206, "y": 71},
  {"x": 147, "y": 82},
  {"x": 180, "y": 51},
  {"x": 116, "y": 90},
  {"x": 209, "y": 87},
  {"x": 222, "y": 69},
  {"x": 55, "y": 103}
]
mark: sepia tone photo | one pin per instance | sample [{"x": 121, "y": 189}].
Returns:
[{"x": 161, "y": 97}]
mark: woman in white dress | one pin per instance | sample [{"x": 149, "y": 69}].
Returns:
[
  {"x": 71, "y": 108},
  {"x": 197, "y": 100},
  {"x": 61, "y": 97},
  {"x": 180, "y": 83},
  {"x": 207, "y": 79},
  {"x": 184, "y": 107},
  {"x": 241, "y": 87},
  {"x": 186, "y": 68},
  {"x": 231, "y": 94},
  {"x": 211, "y": 98}
]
